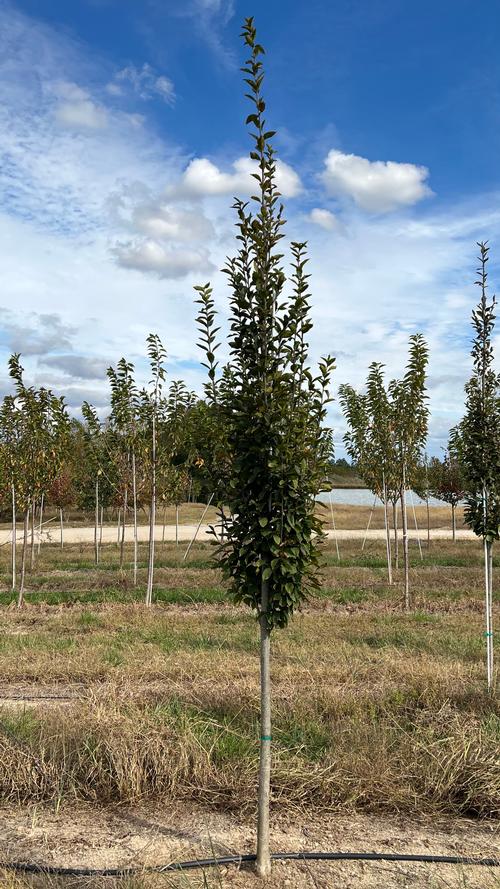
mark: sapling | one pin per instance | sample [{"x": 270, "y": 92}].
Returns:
[
  {"x": 476, "y": 444},
  {"x": 152, "y": 402},
  {"x": 273, "y": 412}
]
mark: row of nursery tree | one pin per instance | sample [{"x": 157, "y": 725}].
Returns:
[{"x": 258, "y": 438}]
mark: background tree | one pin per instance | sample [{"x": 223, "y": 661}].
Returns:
[
  {"x": 153, "y": 413},
  {"x": 274, "y": 413},
  {"x": 61, "y": 493},
  {"x": 410, "y": 417},
  {"x": 447, "y": 483},
  {"x": 124, "y": 420},
  {"x": 476, "y": 443}
]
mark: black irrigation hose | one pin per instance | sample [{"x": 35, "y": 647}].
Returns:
[{"x": 49, "y": 870}]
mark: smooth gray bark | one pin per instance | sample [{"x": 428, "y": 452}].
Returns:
[{"x": 263, "y": 861}]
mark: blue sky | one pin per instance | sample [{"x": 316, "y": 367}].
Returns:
[{"x": 122, "y": 143}]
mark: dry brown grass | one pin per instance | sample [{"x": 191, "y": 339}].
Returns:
[{"x": 375, "y": 710}]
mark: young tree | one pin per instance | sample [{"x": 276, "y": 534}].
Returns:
[
  {"x": 476, "y": 442},
  {"x": 152, "y": 409},
  {"x": 369, "y": 440},
  {"x": 447, "y": 483},
  {"x": 62, "y": 494},
  {"x": 410, "y": 417},
  {"x": 125, "y": 422},
  {"x": 274, "y": 413}
]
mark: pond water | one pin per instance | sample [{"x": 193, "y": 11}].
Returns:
[{"x": 364, "y": 497}]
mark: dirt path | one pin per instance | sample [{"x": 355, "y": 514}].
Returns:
[
  {"x": 186, "y": 533},
  {"x": 136, "y": 836}
]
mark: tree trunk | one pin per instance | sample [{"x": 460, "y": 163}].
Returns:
[
  {"x": 118, "y": 525},
  {"x": 387, "y": 536},
  {"x": 488, "y": 583},
  {"x": 369, "y": 523},
  {"x": 406, "y": 560},
  {"x": 334, "y": 529},
  {"x": 101, "y": 524},
  {"x": 152, "y": 518},
  {"x": 20, "y": 598},
  {"x": 263, "y": 861},
  {"x": 416, "y": 526},
  {"x": 40, "y": 522},
  {"x": 61, "y": 523},
  {"x": 428, "y": 524},
  {"x": 177, "y": 524},
  {"x": 122, "y": 542},
  {"x": 396, "y": 538},
  {"x": 134, "y": 495},
  {"x": 453, "y": 522},
  {"x": 14, "y": 536},
  {"x": 96, "y": 528},
  {"x": 32, "y": 544},
  {"x": 163, "y": 529}
]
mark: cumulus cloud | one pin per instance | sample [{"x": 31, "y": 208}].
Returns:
[
  {"x": 376, "y": 186},
  {"x": 75, "y": 107},
  {"x": 38, "y": 334},
  {"x": 324, "y": 218},
  {"x": 79, "y": 366},
  {"x": 151, "y": 256},
  {"x": 144, "y": 82},
  {"x": 202, "y": 178}
]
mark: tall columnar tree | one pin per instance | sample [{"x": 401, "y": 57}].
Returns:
[
  {"x": 124, "y": 420},
  {"x": 369, "y": 439},
  {"x": 274, "y": 411},
  {"x": 94, "y": 459},
  {"x": 410, "y": 417},
  {"x": 476, "y": 441},
  {"x": 153, "y": 408}
]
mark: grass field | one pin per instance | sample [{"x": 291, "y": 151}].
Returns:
[{"x": 377, "y": 713}]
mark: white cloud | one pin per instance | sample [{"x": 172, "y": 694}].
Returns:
[
  {"x": 76, "y": 108},
  {"x": 202, "y": 178},
  {"x": 324, "y": 218},
  {"x": 151, "y": 256},
  {"x": 145, "y": 83},
  {"x": 376, "y": 186}
]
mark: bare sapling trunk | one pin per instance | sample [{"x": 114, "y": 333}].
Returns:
[
  {"x": 488, "y": 584},
  {"x": 152, "y": 517},
  {"x": 428, "y": 524},
  {"x": 61, "y": 525},
  {"x": 134, "y": 495},
  {"x": 396, "y": 536},
  {"x": 406, "y": 560},
  {"x": 195, "y": 535},
  {"x": 118, "y": 526},
  {"x": 163, "y": 528},
  {"x": 263, "y": 861},
  {"x": 14, "y": 536},
  {"x": 369, "y": 523},
  {"x": 20, "y": 597},
  {"x": 453, "y": 522},
  {"x": 122, "y": 542},
  {"x": 387, "y": 535},
  {"x": 40, "y": 522},
  {"x": 96, "y": 524},
  {"x": 416, "y": 526},
  {"x": 32, "y": 539},
  {"x": 334, "y": 529}
]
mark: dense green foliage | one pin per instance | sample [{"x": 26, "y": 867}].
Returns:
[{"x": 273, "y": 407}]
